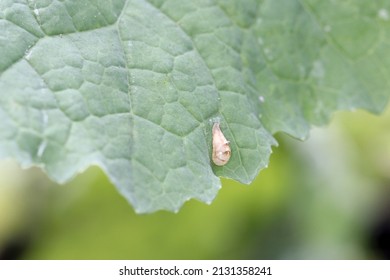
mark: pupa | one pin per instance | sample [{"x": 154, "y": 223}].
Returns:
[{"x": 221, "y": 148}]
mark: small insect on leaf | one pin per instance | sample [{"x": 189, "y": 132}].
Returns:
[{"x": 221, "y": 148}]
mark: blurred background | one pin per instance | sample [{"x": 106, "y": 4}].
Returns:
[{"x": 325, "y": 198}]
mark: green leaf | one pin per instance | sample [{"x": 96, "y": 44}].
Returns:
[{"x": 135, "y": 86}]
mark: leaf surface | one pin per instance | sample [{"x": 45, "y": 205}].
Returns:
[{"x": 135, "y": 86}]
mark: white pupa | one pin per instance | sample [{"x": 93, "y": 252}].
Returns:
[{"x": 221, "y": 148}]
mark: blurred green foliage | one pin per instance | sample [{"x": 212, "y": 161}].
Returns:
[{"x": 321, "y": 198}]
